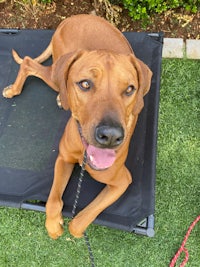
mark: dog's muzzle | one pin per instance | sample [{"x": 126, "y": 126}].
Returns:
[{"x": 108, "y": 138}]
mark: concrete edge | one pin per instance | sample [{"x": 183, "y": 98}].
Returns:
[{"x": 177, "y": 48}]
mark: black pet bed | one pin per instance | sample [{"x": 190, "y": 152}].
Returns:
[{"x": 31, "y": 126}]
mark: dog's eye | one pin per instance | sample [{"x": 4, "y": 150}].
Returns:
[
  {"x": 85, "y": 85},
  {"x": 130, "y": 90}
]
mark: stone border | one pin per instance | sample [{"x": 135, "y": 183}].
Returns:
[{"x": 177, "y": 48}]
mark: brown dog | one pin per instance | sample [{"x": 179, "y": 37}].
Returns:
[{"x": 101, "y": 81}]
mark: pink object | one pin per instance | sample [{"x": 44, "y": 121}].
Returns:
[{"x": 100, "y": 158}]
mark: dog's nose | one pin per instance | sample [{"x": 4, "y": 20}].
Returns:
[{"x": 109, "y": 136}]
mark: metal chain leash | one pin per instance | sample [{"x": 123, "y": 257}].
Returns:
[
  {"x": 78, "y": 190},
  {"x": 80, "y": 180}
]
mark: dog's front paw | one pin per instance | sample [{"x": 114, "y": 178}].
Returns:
[
  {"x": 76, "y": 229},
  {"x": 54, "y": 227}
]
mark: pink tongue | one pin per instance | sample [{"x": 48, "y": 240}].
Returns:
[{"x": 101, "y": 158}]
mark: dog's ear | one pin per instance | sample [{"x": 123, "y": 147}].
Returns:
[
  {"x": 60, "y": 71},
  {"x": 144, "y": 81}
]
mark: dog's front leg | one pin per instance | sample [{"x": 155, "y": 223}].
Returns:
[
  {"x": 105, "y": 198},
  {"x": 54, "y": 220}
]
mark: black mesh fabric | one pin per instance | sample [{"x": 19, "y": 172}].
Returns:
[{"x": 31, "y": 126}]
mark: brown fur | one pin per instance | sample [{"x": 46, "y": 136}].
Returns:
[{"x": 86, "y": 46}]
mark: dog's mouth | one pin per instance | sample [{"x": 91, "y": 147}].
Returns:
[
  {"x": 100, "y": 158},
  {"x": 97, "y": 158}
]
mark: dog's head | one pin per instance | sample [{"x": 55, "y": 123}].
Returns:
[{"x": 104, "y": 92}]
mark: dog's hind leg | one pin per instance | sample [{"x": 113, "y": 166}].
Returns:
[{"x": 29, "y": 67}]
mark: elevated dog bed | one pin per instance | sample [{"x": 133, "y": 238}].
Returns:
[{"x": 32, "y": 124}]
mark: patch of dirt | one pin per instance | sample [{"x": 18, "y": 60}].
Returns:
[{"x": 174, "y": 23}]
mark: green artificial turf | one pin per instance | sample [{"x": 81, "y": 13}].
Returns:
[{"x": 24, "y": 241}]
